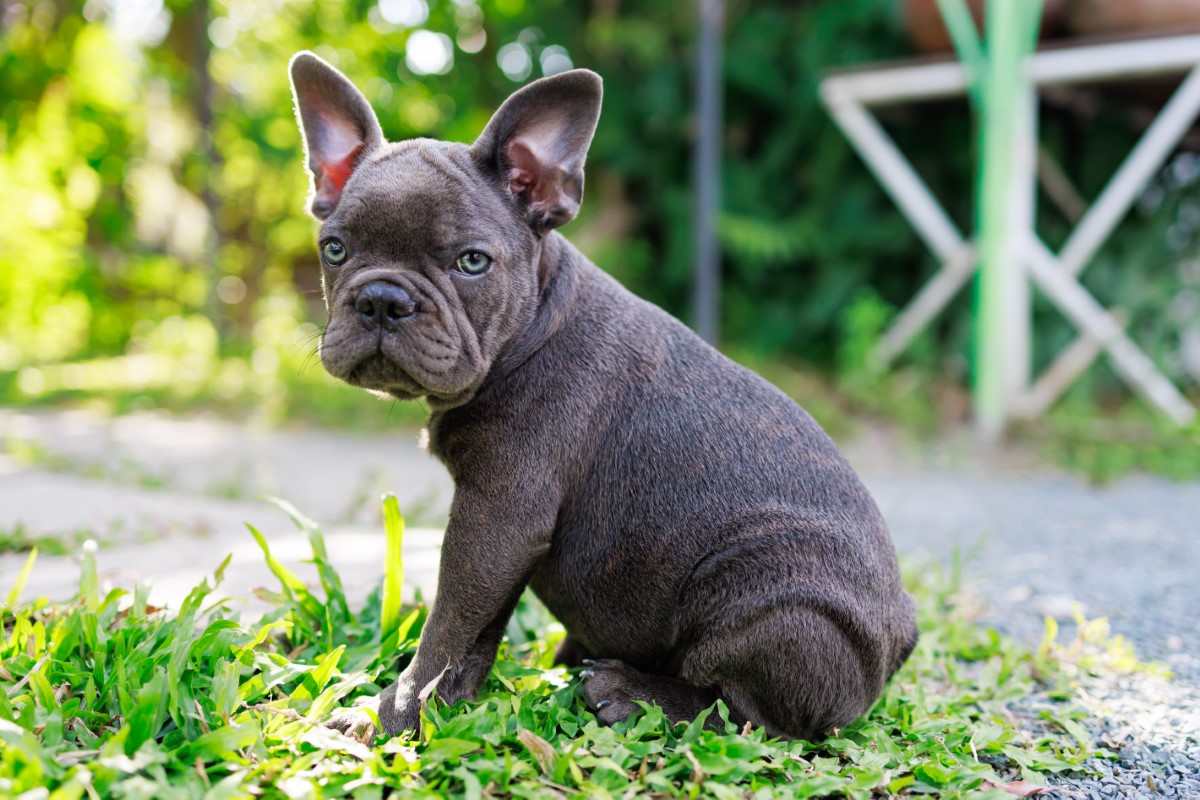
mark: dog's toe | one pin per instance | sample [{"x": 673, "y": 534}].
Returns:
[
  {"x": 606, "y": 688},
  {"x": 354, "y": 722}
]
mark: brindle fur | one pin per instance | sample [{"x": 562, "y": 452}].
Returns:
[{"x": 694, "y": 529}]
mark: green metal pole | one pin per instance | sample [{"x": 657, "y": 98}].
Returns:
[
  {"x": 1000, "y": 91},
  {"x": 1011, "y": 36}
]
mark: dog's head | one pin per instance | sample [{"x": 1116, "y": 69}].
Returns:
[{"x": 429, "y": 249}]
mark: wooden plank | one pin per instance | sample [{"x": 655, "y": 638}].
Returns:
[
  {"x": 899, "y": 83},
  {"x": 927, "y": 304},
  {"x": 1126, "y": 185},
  {"x": 1064, "y": 371},
  {"x": 1088, "y": 315}
]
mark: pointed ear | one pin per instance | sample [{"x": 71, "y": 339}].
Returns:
[
  {"x": 536, "y": 143},
  {"x": 338, "y": 124}
]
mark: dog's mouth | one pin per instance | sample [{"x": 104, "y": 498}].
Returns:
[
  {"x": 403, "y": 366},
  {"x": 379, "y": 373}
]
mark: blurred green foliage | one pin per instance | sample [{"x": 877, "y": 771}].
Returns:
[{"x": 154, "y": 244}]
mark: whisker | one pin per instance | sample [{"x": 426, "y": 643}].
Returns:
[{"x": 309, "y": 360}]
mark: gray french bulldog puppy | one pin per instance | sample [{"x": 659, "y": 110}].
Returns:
[{"x": 696, "y": 532}]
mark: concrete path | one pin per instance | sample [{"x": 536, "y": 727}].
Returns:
[{"x": 167, "y": 499}]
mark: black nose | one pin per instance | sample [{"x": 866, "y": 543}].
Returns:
[{"x": 384, "y": 304}]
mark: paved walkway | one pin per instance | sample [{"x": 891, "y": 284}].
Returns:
[{"x": 167, "y": 499}]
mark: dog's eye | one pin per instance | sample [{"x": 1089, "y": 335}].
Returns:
[
  {"x": 334, "y": 253},
  {"x": 473, "y": 262}
]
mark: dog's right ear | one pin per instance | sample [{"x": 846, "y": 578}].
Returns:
[{"x": 338, "y": 124}]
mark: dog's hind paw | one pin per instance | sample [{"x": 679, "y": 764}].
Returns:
[
  {"x": 607, "y": 688},
  {"x": 612, "y": 689}
]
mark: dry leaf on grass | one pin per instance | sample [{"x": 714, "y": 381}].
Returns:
[
  {"x": 1017, "y": 788},
  {"x": 541, "y": 750}
]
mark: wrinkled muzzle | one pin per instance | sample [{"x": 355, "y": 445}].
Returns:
[{"x": 398, "y": 333}]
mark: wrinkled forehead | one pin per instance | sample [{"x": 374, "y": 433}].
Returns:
[{"x": 419, "y": 194}]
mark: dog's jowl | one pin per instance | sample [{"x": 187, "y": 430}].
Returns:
[{"x": 697, "y": 533}]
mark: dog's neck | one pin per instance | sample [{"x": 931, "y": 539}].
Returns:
[{"x": 558, "y": 278}]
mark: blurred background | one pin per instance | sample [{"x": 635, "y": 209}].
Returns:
[
  {"x": 155, "y": 253},
  {"x": 160, "y": 287}
]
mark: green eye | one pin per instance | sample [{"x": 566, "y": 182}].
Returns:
[
  {"x": 334, "y": 253},
  {"x": 472, "y": 262}
]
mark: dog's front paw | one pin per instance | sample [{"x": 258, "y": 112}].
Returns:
[
  {"x": 354, "y": 721},
  {"x": 397, "y": 709},
  {"x": 607, "y": 687}
]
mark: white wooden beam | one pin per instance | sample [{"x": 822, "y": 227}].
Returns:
[
  {"x": 1089, "y": 316},
  {"x": 1115, "y": 60},
  {"x": 1147, "y": 156},
  {"x": 897, "y": 176},
  {"x": 1071, "y": 363},
  {"x": 928, "y": 303},
  {"x": 1079, "y": 64}
]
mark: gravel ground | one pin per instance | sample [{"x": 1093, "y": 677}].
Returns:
[
  {"x": 1035, "y": 543},
  {"x": 1038, "y": 545},
  {"x": 1154, "y": 727}
]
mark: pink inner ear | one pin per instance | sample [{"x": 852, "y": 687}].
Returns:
[
  {"x": 331, "y": 177},
  {"x": 524, "y": 170},
  {"x": 336, "y": 136},
  {"x": 336, "y": 146},
  {"x": 334, "y": 174}
]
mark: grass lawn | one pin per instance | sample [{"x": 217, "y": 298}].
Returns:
[{"x": 108, "y": 696}]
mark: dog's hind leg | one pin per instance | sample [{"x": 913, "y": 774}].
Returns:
[
  {"x": 611, "y": 687},
  {"x": 796, "y": 671},
  {"x": 793, "y": 671}
]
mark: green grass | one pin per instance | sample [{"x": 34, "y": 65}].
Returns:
[
  {"x": 108, "y": 696},
  {"x": 1106, "y": 449}
]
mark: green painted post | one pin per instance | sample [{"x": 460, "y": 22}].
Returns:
[{"x": 1002, "y": 97}]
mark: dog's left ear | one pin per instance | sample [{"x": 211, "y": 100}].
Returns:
[{"x": 536, "y": 143}]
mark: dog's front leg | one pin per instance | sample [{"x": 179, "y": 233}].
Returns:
[{"x": 492, "y": 545}]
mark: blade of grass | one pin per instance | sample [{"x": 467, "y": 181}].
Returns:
[
  {"x": 319, "y": 676},
  {"x": 146, "y": 717},
  {"x": 294, "y": 589},
  {"x": 89, "y": 581},
  {"x": 393, "y": 566},
  {"x": 224, "y": 688},
  {"x": 14, "y": 594},
  {"x": 335, "y": 595},
  {"x": 223, "y": 742}
]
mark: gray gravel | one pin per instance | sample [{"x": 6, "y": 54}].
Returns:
[
  {"x": 1038, "y": 545},
  {"x": 1036, "y": 542}
]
